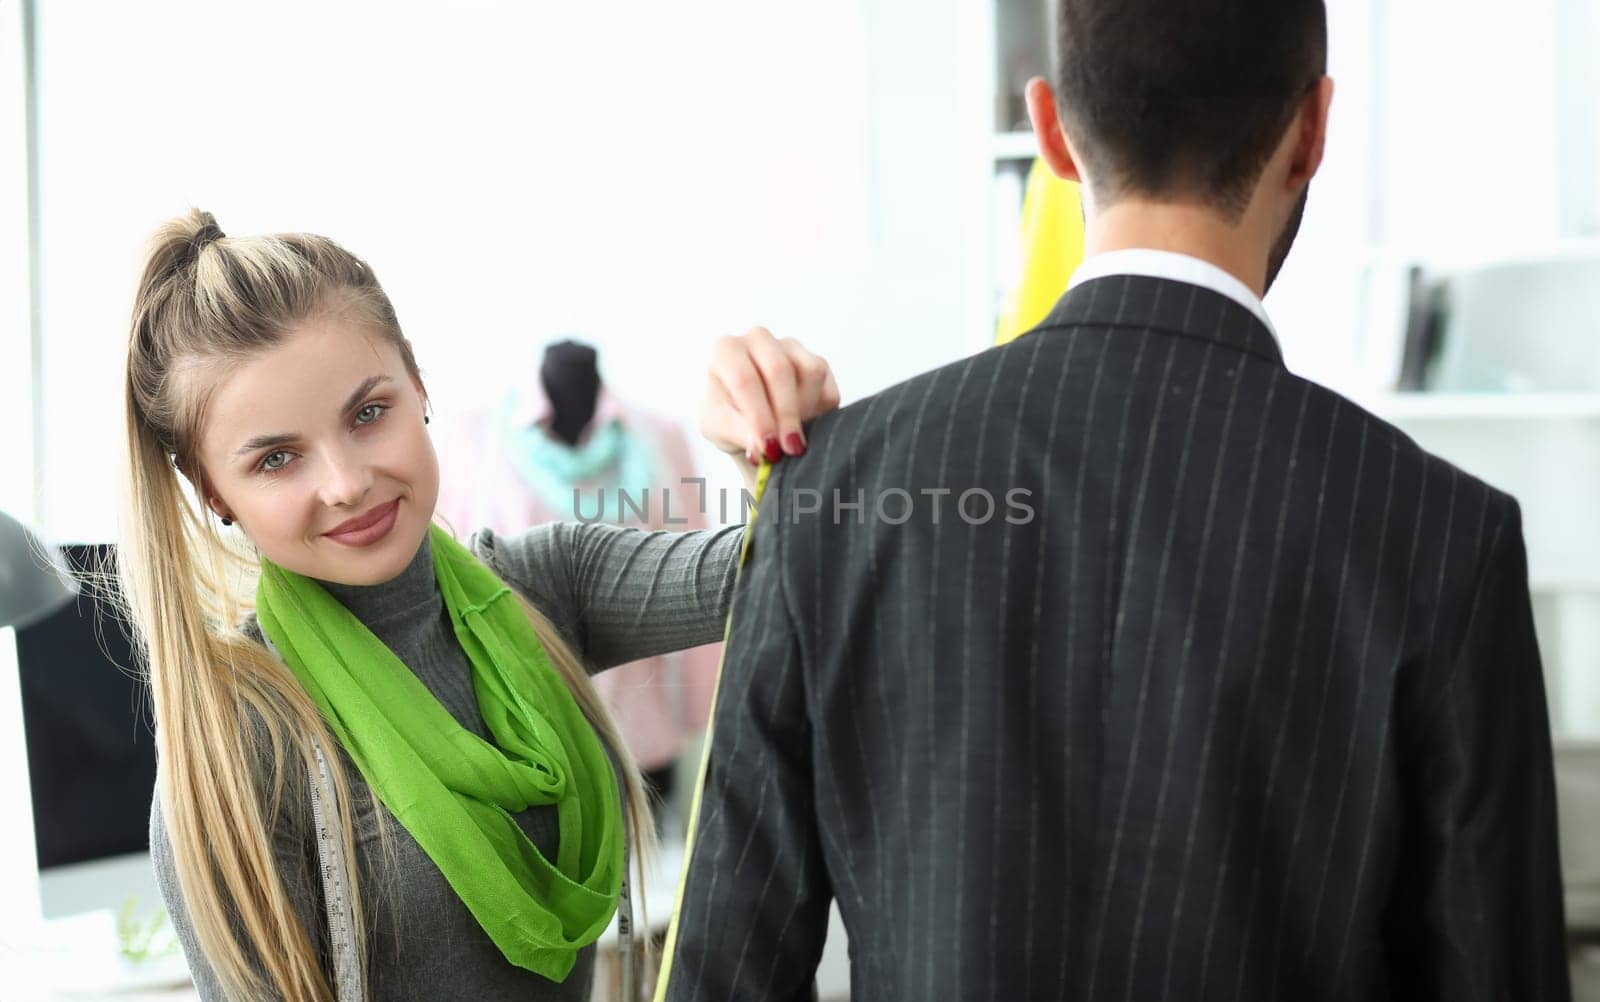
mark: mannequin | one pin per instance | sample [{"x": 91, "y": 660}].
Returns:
[{"x": 571, "y": 377}]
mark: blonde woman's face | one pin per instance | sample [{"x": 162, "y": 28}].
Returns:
[{"x": 317, "y": 451}]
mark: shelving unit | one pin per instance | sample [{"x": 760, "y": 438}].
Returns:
[
  {"x": 1010, "y": 44},
  {"x": 1544, "y": 449},
  {"x": 1482, "y": 407},
  {"x": 1531, "y": 327}
]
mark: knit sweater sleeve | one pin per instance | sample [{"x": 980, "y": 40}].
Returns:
[{"x": 618, "y": 595}]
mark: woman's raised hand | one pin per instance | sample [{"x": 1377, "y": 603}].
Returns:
[{"x": 760, "y": 390}]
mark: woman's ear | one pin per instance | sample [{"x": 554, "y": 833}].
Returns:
[
  {"x": 217, "y": 508},
  {"x": 422, "y": 393}
]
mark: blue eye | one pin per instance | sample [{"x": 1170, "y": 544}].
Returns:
[{"x": 365, "y": 416}]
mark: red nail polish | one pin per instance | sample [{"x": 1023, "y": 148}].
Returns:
[
  {"x": 773, "y": 450},
  {"x": 793, "y": 444}
]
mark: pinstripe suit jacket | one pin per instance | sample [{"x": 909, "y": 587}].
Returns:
[{"x": 1249, "y": 708}]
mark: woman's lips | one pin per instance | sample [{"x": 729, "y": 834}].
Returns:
[{"x": 368, "y": 528}]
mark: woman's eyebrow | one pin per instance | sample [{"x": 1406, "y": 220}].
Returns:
[
  {"x": 366, "y": 387},
  {"x": 284, "y": 438}
]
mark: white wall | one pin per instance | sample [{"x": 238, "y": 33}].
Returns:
[
  {"x": 16, "y": 374},
  {"x": 1470, "y": 144},
  {"x": 645, "y": 176},
  {"x": 1315, "y": 303},
  {"x": 651, "y": 177},
  {"x": 1459, "y": 132}
]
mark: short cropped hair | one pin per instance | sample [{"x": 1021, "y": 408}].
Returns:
[{"x": 1184, "y": 100}]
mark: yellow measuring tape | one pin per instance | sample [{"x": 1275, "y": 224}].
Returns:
[{"x": 705, "y": 754}]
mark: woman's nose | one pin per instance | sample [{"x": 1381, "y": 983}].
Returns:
[{"x": 345, "y": 481}]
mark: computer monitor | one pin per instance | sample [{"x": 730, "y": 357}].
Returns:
[{"x": 90, "y": 750}]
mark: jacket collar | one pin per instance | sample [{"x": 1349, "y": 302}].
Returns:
[{"x": 1144, "y": 302}]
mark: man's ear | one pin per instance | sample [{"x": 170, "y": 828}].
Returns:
[
  {"x": 1312, "y": 125},
  {"x": 1047, "y": 130}
]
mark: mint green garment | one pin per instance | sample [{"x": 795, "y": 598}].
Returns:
[
  {"x": 612, "y": 455},
  {"x": 454, "y": 792}
]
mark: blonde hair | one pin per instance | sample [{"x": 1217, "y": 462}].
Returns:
[{"x": 223, "y": 702}]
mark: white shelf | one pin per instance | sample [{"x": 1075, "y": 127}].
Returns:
[
  {"x": 1453, "y": 258},
  {"x": 1014, "y": 146},
  {"x": 1563, "y": 584},
  {"x": 1410, "y": 407}
]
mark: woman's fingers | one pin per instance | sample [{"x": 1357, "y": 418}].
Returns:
[
  {"x": 781, "y": 379},
  {"x": 734, "y": 369},
  {"x": 760, "y": 391},
  {"x": 723, "y": 425},
  {"x": 818, "y": 393},
  {"x": 830, "y": 394}
]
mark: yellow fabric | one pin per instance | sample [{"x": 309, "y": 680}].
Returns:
[
  {"x": 1052, "y": 249},
  {"x": 705, "y": 759}
]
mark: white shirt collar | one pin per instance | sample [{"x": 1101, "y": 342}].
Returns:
[{"x": 1178, "y": 268}]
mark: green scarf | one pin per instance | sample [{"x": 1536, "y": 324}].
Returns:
[{"x": 454, "y": 792}]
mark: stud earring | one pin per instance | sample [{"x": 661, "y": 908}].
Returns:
[
  {"x": 226, "y": 520},
  {"x": 425, "y": 419}
]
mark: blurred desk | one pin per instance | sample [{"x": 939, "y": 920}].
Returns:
[{"x": 78, "y": 959}]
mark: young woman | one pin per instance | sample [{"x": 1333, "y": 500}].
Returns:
[{"x": 383, "y": 770}]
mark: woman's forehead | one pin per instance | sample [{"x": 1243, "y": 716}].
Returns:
[{"x": 302, "y": 382}]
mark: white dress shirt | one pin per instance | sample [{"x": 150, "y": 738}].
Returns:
[{"x": 1179, "y": 268}]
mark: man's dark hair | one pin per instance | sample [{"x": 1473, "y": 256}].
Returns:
[{"x": 1185, "y": 99}]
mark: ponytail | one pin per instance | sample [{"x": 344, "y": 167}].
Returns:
[{"x": 232, "y": 720}]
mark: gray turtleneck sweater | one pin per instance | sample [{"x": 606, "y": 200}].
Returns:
[{"x": 616, "y": 595}]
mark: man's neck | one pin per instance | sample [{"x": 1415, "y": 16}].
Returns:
[{"x": 1180, "y": 229}]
